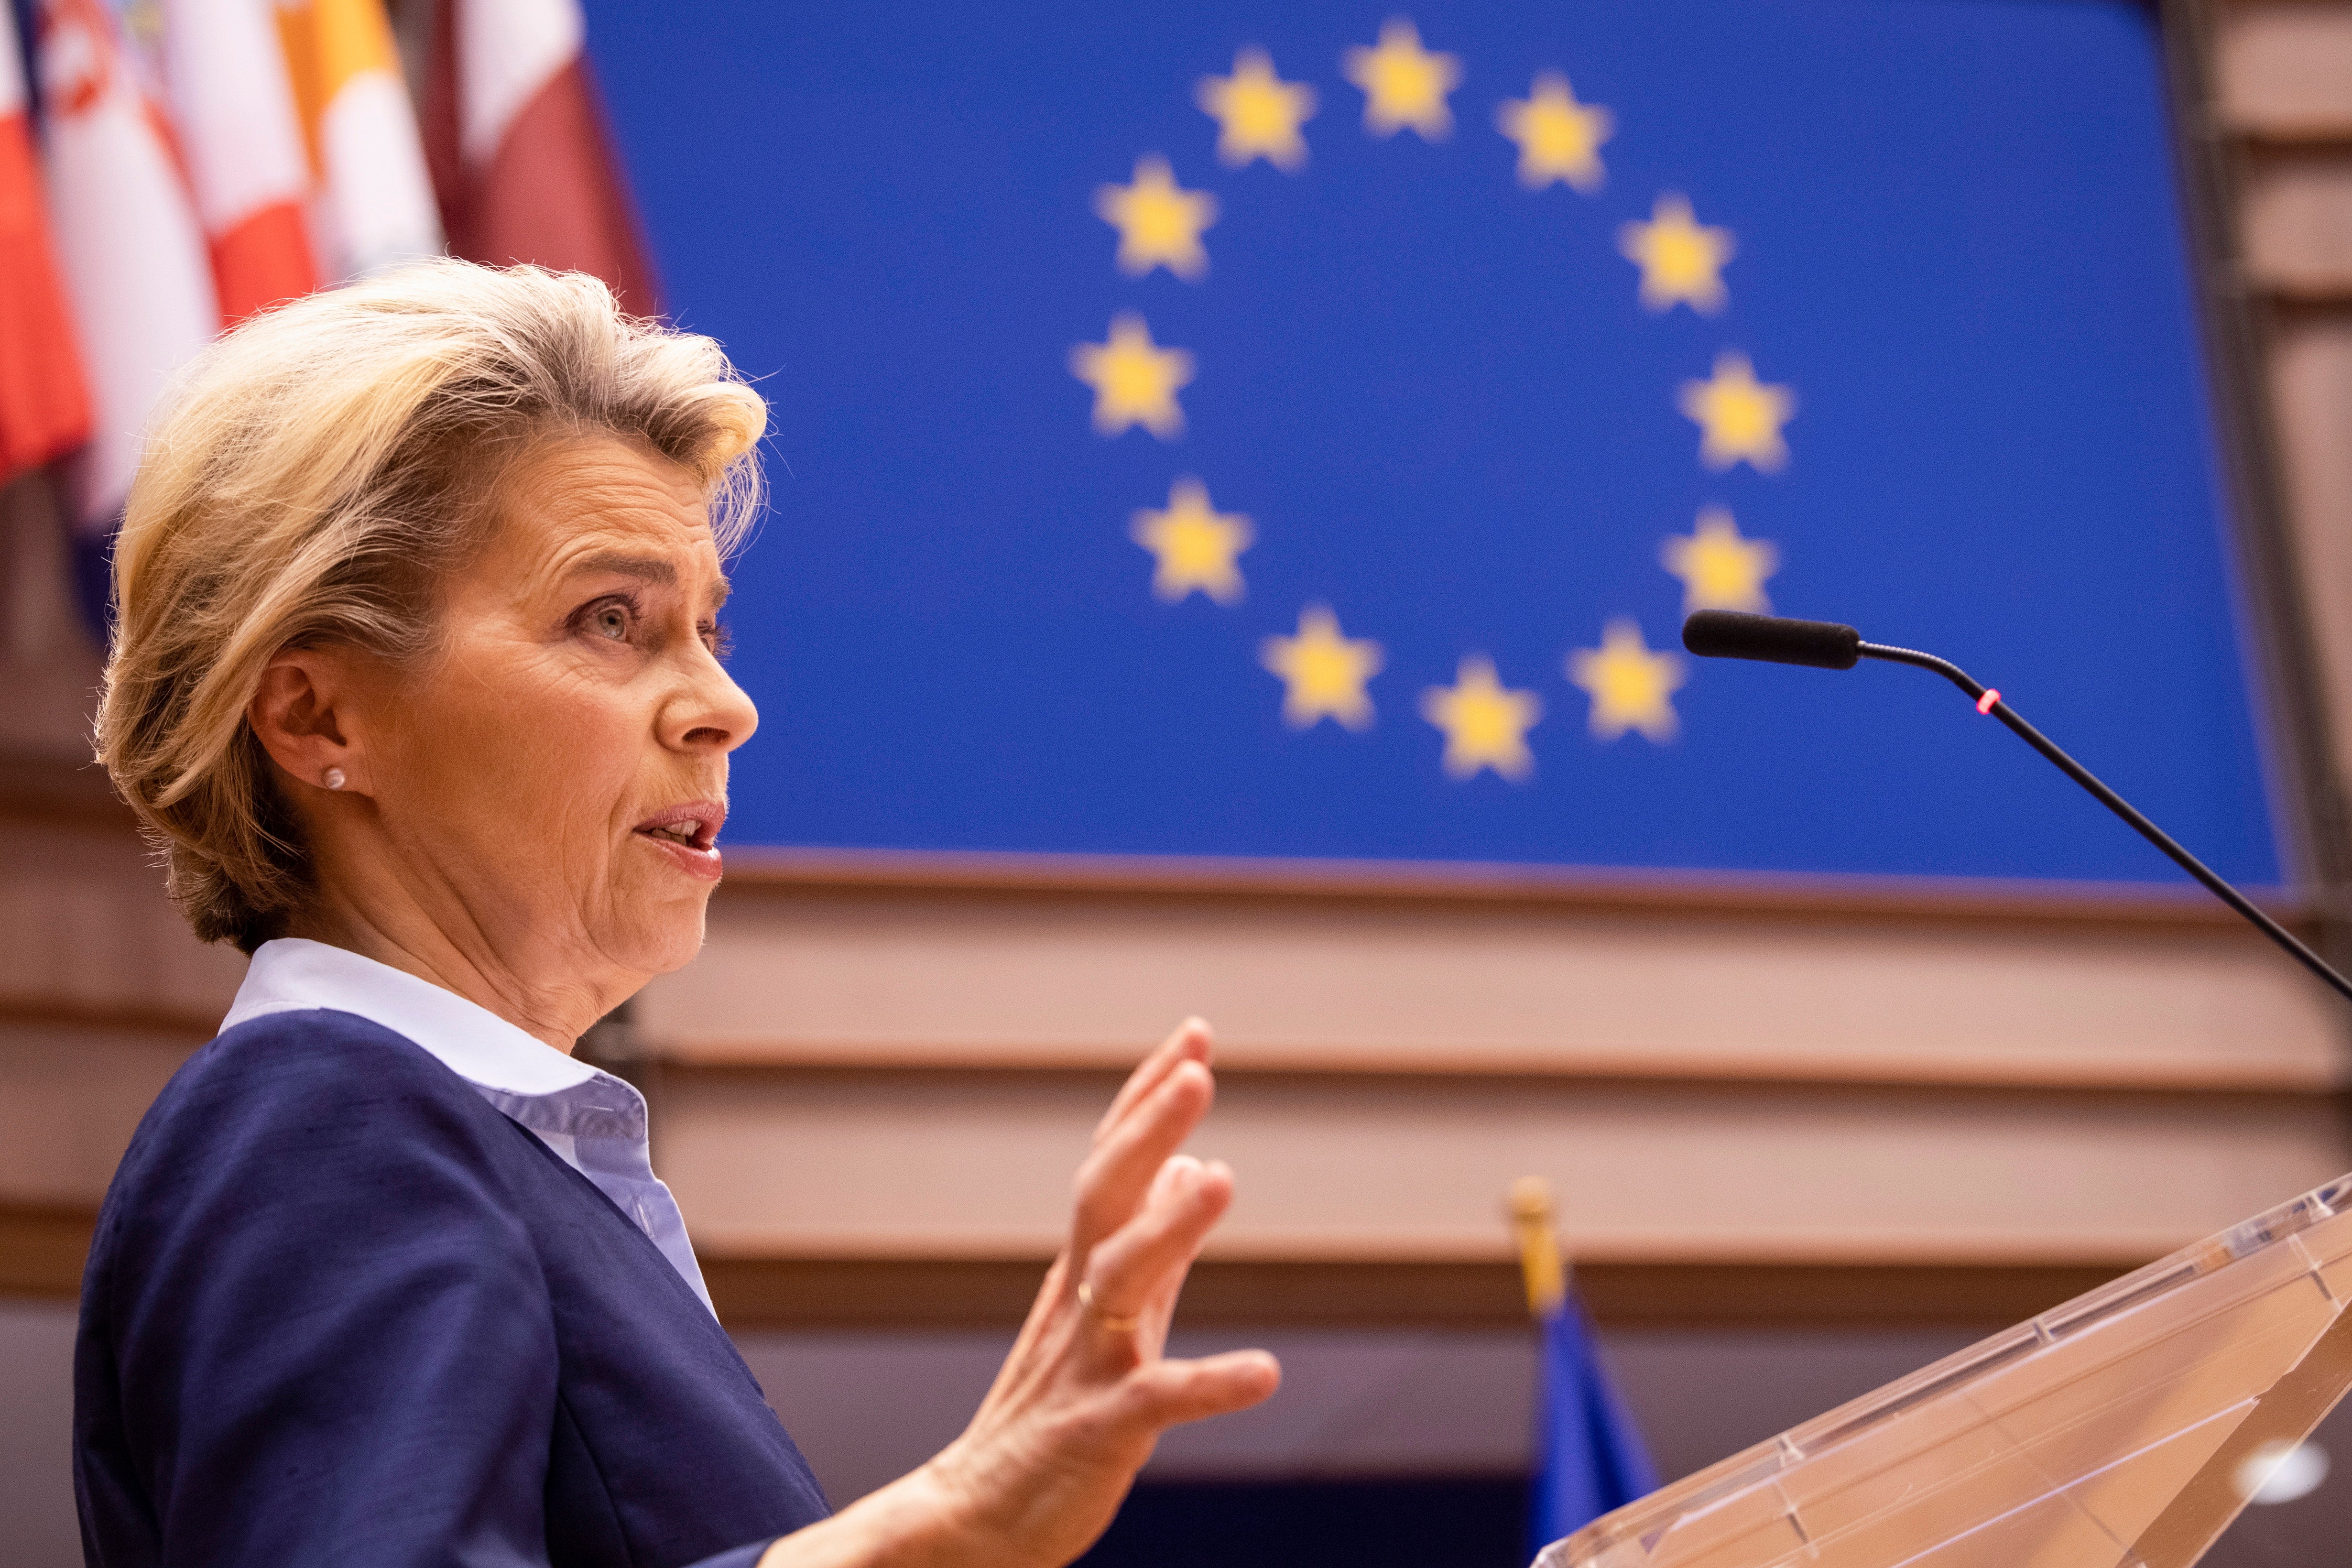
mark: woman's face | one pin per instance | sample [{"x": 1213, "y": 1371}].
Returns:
[{"x": 549, "y": 788}]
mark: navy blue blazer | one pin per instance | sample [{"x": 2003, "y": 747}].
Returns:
[{"x": 341, "y": 1309}]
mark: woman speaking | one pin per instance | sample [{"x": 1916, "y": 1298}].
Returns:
[{"x": 416, "y": 683}]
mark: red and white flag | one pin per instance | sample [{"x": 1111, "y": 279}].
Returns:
[
  {"x": 234, "y": 108},
  {"x": 374, "y": 203},
  {"x": 135, "y": 262},
  {"x": 522, "y": 159},
  {"x": 44, "y": 402}
]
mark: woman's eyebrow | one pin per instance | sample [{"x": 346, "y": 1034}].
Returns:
[{"x": 646, "y": 568}]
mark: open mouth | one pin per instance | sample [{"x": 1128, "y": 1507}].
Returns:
[{"x": 692, "y": 825}]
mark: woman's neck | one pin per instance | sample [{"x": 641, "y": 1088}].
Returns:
[{"x": 556, "y": 1008}]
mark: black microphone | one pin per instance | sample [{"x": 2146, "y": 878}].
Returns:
[
  {"x": 1825, "y": 645},
  {"x": 1727, "y": 634}
]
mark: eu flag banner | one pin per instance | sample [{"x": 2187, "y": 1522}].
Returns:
[{"x": 1299, "y": 430}]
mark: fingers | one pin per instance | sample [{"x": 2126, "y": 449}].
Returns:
[
  {"x": 1140, "y": 1267},
  {"x": 1169, "y": 1392},
  {"x": 1112, "y": 1182},
  {"x": 1191, "y": 1042}
]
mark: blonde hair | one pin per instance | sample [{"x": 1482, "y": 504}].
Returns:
[{"x": 317, "y": 473}]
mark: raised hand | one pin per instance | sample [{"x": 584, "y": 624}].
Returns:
[{"x": 1086, "y": 1392}]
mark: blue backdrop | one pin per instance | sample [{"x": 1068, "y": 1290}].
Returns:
[{"x": 1421, "y": 365}]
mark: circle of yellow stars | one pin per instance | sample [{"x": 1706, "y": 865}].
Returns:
[{"x": 1194, "y": 548}]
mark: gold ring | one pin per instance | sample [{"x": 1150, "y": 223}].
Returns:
[{"x": 1117, "y": 1325}]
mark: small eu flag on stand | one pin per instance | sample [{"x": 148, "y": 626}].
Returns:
[{"x": 1590, "y": 1459}]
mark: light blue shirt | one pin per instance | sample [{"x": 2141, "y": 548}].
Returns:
[{"x": 594, "y": 1121}]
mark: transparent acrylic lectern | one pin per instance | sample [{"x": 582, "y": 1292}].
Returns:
[{"x": 2124, "y": 1429}]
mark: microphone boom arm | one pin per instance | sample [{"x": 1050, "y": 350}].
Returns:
[{"x": 1724, "y": 634}]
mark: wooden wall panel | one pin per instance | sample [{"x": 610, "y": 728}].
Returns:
[
  {"x": 48, "y": 659},
  {"x": 851, "y": 1164},
  {"x": 2283, "y": 78},
  {"x": 85, "y": 933},
  {"x": 2311, "y": 385},
  {"x": 2182, "y": 997},
  {"x": 2298, "y": 223},
  {"x": 70, "y": 1098},
  {"x": 2283, "y": 68}
]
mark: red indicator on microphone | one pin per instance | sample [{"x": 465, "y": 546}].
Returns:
[{"x": 1991, "y": 696}]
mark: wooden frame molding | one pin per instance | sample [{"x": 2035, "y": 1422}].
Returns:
[
  {"x": 43, "y": 1247},
  {"x": 2297, "y": 724},
  {"x": 1693, "y": 1071},
  {"x": 755, "y": 871},
  {"x": 942, "y": 1294}
]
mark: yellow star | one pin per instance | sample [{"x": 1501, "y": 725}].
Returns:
[
  {"x": 1558, "y": 138},
  {"x": 1258, "y": 113},
  {"x": 1680, "y": 259},
  {"x": 1485, "y": 725},
  {"x": 1193, "y": 543},
  {"x": 1629, "y": 684},
  {"x": 1135, "y": 381},
  {"x": 1323, "y": 673},
  {"x": 1739, "y": 418},
  {"x": 1403, "y": 83},
  {"x": 1159, "y": 225},
  {"x": 1720, "y": 571}
]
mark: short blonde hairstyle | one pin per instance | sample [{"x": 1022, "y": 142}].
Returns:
[{"x": 316, "y": 476}]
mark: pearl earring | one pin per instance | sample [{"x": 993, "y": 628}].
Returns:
[{"x": 333, "y": 778}]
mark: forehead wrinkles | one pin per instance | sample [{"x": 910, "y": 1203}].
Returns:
[
  {"x": 623, "y": 500},
  {"x": 600, "y": 471},
  {"x": 566, "y": 508}
]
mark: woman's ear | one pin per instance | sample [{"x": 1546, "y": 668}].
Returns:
[{"x": 295, "y": 714}]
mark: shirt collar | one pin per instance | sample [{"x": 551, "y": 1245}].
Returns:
[
  {"x": 293, "y": 973},
  {"x": 594, "y": 1121}
]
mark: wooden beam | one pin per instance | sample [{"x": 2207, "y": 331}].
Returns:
[
  {"x": 1694, "y": 1071},
  {"x": 115, "y": 1018},
  {"x": 940, "y": 1294},
  {"x": 758, "y": 871},
  {"x": 2309, "y": 294},
  {"x": 2313, "y": 133},
  {"x": 42, "y": 1249},
  {"x": 50, "y": 789}
]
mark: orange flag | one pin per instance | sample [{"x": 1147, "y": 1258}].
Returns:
[{"x": 374, "y": 199}]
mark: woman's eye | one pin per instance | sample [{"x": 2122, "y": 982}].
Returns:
[{"x": 611, "y": 621}]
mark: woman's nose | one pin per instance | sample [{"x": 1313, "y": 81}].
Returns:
[{"x": 712, "y": 713}]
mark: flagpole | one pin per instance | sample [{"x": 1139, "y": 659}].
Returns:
[{"x": 1540, "y": 1262}]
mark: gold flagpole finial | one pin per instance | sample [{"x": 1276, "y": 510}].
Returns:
[{"x": 1539, "y": 1257}]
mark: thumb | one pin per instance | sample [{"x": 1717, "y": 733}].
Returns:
[{"x": 1170, "y": 1393}]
